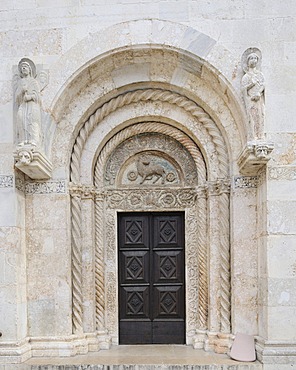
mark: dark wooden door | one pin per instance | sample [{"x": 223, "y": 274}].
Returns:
[{"x": 151, "y": 278}]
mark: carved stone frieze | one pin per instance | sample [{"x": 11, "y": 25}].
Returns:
[
  {"x": 45, "y": 187},
  {"x": 141, "y": 198},
  {"x": 20, "y": 184},
  {"x": 282, "y": 173},
  {"x": 220, "y": 186},
  {"x": 149, "y": 159},
  {"x": 245, "y": 182},
  {"x": 193, "y": 268},
  {"x": 82, "y": 191},
  {"x": 6, "y": 181},
  {"x": 254, "y": 157}
]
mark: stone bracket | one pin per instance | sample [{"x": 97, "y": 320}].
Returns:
[
  {"x": 32, "y": 162},
  {"x": 255, "y": 155}
]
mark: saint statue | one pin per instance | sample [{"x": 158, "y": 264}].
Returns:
[
  {"x": 253, "y": 86},
  {"x": 28, "y": 104}
]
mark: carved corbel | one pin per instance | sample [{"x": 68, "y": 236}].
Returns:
[
  {"x": 254, "y": 157},
  {"x": 32, "y": 162}
]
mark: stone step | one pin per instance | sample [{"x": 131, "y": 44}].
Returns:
[
  {"x": 139, "y": 357},
  {"x": 239, "y": 366}
]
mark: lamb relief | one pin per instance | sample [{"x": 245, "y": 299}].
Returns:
[{"x": 253, "y": 86}]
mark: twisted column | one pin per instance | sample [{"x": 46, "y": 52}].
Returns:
[
  {"x": 224, "y": 189},
  {"x": 99, "y": 263},
  {"x": 75, "y": 192},
  {"x": 202, "y": 259}
]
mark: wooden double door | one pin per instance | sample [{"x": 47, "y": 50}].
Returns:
[{"x": 151, "y": 278}]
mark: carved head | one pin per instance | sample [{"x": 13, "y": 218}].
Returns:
[
  {"x": 252, "y": 60},
  {"x": 261, "y": 151},
  {"x": 25, "y": 157},
  {"x": 27, "y": 68}
]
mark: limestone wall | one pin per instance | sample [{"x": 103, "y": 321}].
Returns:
[{"x": 65, "y": 37}]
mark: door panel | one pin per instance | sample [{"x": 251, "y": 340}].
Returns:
[{"x": 151, "y": 278}]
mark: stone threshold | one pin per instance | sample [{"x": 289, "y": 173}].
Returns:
[{"x": 138, "y": 357}]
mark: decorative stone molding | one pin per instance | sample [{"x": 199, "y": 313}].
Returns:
[
  {"x": 282, "y": 173},
  {"x": 45, "y": 187},
  {"x": 32, "y": 162},
  {"x": 157, "y": 198},
  {"x": 245, "y": 182},
  {"x": 254, "y": 157},
  {"x": 275, "y": 352},
  {"x": 6, "y": 181}
]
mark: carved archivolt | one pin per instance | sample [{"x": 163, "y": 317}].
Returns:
[
  {"x": 146, "y": 95},
  {"x": 165, "y": 151}
]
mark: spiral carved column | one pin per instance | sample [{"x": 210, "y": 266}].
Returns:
[
  {"x": 75, "y": 192},
  {"x": 202, "y": 259},
  {"x": 99, "y": 263},
  {"x": 225, "y": 291}
]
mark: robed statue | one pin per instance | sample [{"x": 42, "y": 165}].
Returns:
[{"x": 253, "y": 86}]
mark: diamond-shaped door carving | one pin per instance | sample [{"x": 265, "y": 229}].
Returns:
[
  {"x": 168, "y": 267},
  {"x": 135, "y": 303},
  {"x": 134, "y": 267},
  {"x": 168, "y": 303},
  {"x": 167, "y": 232},
  {"x": 134, "y": 232}
]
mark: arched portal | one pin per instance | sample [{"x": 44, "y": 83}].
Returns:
[
  {"x": 167, "y": 103},
  {"x": 181, "y": 174}
]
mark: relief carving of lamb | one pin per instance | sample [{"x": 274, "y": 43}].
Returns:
[{"x": 147, "y": 170}]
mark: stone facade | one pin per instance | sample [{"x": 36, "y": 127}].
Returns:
[{"x": 111, "y": 106}]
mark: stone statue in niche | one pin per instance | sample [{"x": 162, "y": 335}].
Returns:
[
  {"x": 253, "y": 86},
  {"x": 28, "y": 102},
  {"x": 147, "y": 170}
]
